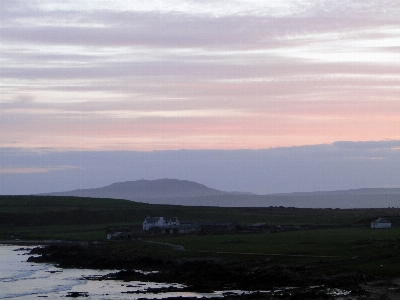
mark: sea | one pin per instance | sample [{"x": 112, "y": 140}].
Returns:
[{"x": 22, "y": 280}]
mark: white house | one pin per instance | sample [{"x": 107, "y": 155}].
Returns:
[
  {"x": 153, "y": 222},
  {"x": 159, "y": 222},
  {"x": 381, "y": 223}
]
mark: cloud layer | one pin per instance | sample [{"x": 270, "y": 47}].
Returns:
[{"x": 198, "y": 74}]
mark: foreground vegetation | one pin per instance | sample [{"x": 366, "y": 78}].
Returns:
[{"x": 347, "y": 244}]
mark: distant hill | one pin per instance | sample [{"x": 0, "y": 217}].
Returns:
[
  {"x": 332, "y": 201},
  {"x": 363, "y": 191},
  {"x": 189, "y": 193},
  {"x": 160, "y": 188}
]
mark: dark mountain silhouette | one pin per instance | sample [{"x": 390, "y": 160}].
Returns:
[
  {"x": 160, "y": 188},
  {"x": 189, "y": 193}
]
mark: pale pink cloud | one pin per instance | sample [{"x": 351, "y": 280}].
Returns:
[
  {"x": 161, "y": 78},
  {"x": 275, "y": 124},
  {"x": 34, "y": 169}
]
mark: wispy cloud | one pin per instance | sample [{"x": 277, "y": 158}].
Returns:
[
  {"x": 195, "y": 74},
  {"x": 33, "y": 170}
]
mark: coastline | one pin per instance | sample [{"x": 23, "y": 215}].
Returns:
[
  {"x": 208, "y": 274},
  {"x": 257, "y": 277}
]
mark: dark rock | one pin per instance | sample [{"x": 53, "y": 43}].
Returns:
[
  {"x": 77, "y": 294},
  {"x": 198, "y": 274}
]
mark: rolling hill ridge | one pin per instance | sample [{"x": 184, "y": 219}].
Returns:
[{"x": 189, "y": 193}]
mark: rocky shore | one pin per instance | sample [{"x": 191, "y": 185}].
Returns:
[{"x": 261, "y": 278}]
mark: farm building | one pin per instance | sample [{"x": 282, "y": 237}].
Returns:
[
  {"x": 119, "y": 233},
  {"x": 217, "y": 227},
  {"x": 381, "y": 223},
  {"x": 188, "y": 228},
  {"x": 149, "y": 222},
  {"x": 159, "y": 225}
]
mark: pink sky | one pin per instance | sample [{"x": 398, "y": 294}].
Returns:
[{"x": 167, "y": 75}]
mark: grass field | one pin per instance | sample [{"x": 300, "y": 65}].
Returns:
[
  {"x": 376, "y": 252},
  {"x": 355, "y": 246},
  {"x": 337, "y": 243},
  {"x": 44, "y": 217}
]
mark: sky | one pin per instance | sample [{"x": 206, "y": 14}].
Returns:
[{"x": 91, "y": 79}]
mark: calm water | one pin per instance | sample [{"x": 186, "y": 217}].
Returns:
[{"x": 22, "y": 280}]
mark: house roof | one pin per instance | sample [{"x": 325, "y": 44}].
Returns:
[{"x": 381, "y": 220}]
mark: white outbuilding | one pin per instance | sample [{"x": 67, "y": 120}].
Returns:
[{"x": 381, "y": 223}]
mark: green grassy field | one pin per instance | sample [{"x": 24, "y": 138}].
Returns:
[
  {"x": 375, "y": 252},
  {"x": 334, "y": 243},
  {"x": 44, "y": 217},
  {"x": 352, "y": 247}
]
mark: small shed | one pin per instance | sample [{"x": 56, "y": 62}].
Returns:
[
  {"x": 119, "y": 233},
  {"x": 381, "y": 223}
]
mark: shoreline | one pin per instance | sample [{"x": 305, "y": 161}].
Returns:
[
  {"x": 209, "y": 274},
  {"x": 38, "y": 242}
]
